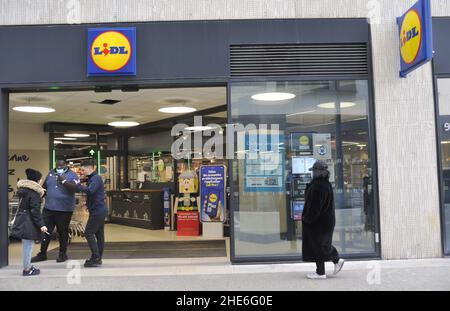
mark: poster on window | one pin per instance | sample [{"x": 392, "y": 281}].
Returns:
[
  {"x": 212, "y": 193},
  {"x": 264, "y": 169},
  {"x": 302, "y": 143}
]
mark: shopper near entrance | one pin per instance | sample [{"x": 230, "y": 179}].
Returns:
[
  {"x": 318, "y": 223},
  {"x": 58, "y": 209},
  {"x": 28, "y": 223},
  {"x": 95, "y": 227}
]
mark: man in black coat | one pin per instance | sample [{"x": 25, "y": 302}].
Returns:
[{"x": 318, "y": 222}]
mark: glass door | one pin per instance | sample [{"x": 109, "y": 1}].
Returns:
[{"x": 444, "y": 134}]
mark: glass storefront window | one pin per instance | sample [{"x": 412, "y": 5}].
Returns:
[
  {"x": 325, "y": 120},
  {"x": 444, "y": 129}
]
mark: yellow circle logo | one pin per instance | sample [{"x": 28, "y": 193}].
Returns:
[
  {"x": 213, "y": 198},
  {"x": 304, "y": 140},
  {"x": 111, "y": 51},
  {"x": 411, "y": 37}
]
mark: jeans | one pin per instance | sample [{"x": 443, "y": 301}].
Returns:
[
  {"x": 27, "y": 246},
  {"x": 95, "y": 235},
  {"x": 60, "y": 220}
]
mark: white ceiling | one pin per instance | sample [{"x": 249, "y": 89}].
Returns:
[{"x": 77, "y": 106}]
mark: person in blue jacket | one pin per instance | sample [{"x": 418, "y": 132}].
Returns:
[
  {"x": 58, "y": 209},
  {"x": 95, "y": 227}
]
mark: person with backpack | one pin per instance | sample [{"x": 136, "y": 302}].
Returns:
[{"x": 28, "y": 223}]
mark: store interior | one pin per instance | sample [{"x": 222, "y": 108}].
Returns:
[
  {"x": 127, "y": 132},
  {"x": 151, "y": 190}
]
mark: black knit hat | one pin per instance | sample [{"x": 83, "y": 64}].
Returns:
[
  {"x": 319, "y": 165},
  {"x": 33, "y": 174}
]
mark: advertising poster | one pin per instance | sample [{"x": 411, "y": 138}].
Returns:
[
  {"x": 264, "y": 172},
  {"x": 297, "y": 210},
  {"x": 322, "y": 151},
  {"x": 302, "y": 143},
  {"x": 212, "y": 193},
  {"x": 167, "y": 208}
]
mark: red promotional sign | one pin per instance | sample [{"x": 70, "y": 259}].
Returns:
[{"x": 188, "y": 223}]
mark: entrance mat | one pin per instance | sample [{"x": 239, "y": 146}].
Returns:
[{"x": 151, "y": 249}]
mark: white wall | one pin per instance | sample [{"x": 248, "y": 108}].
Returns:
[
  {"x": 406, "y": 141},
  {"x": 28, "y": 148}
]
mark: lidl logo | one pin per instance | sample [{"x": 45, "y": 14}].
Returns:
[
  {"x": 415, "y": 35},
  {"x": 111, "y": 51},
  {"x": 411, "y": 37},
  {"x": 213, "y": 198},
  {"x": 304, "y": 140}
]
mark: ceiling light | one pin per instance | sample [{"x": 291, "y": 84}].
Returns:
[
  {"x": 123, "y": 123},
  {"x": 34, "y": 109},
  {"x": 76, "y": 135},
  {"x": 199, "y": 128},
  {"x": 273, "y": 96},
  {"x": 177, "y": 109},
  {"x": 65, "y": 138},
  {"x": 56, "y": 142},
  {"x": 333, "y": 105}
]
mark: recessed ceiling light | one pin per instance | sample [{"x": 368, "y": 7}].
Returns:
[
  {"x": 65, "y": 138},
  {"x": 199, "y": 128},
  {"x": 123, "y": 123},
  {"x": 76, "y": 135},
  {"x": 177, "y": 109},
  {"x": 333, "y": 105},
  {"x": 34, "y": 109},
  {"x": 56, "y": 142},
  {"x": 273, "y": 96}
]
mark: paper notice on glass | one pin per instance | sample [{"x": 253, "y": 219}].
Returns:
[{"x": 322, "y": 147}]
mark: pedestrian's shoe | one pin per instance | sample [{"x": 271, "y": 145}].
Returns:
[
  {"x": 31, "y": 272},
  {"x": 92, "y": 263},
  {"x": 315, "y": 276},
  {"x": 338, "y": 266},
  {"x": 62, "y": 257},
  {"x": 98, "y": 260},
  {"x": 39, "y": 257}
]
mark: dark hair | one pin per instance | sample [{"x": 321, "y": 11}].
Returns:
[
  {"x": 90, "y": 163},
  {"x": 33, "y": 175}
]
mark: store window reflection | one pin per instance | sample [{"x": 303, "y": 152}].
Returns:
[
  {"x": 444, "y": 128},
  {"x": 325, "y": 120}
]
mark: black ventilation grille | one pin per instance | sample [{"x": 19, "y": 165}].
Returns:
[{"x": 299, "y": 59}]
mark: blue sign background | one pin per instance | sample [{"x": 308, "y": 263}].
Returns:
[
  {"x": 129, "y": 69},
  {"x": 212, "y": 181},
  {"x": 423, "y": 7}
]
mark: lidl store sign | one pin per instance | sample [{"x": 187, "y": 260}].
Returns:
[
  {"x": 111, "y": 51},
  {"x": 416, "y": 44}
]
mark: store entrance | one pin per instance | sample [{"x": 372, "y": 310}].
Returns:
[{"x": 130, "y": 135}]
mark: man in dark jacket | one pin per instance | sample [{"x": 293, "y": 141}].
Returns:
[
  {"x": 318, "y": 222},
  {"x": 29, "y": 229},
  {"x": 58, "y": 209},
  {"x": 95, "y": 191}
]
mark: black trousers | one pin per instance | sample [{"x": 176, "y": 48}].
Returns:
[
  {"x": 321, "y": 264},
  {"x": 95, "y": 235},
  {"x": 60, "y": 220}
]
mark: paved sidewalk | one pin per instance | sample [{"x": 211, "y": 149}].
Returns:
[{"x": 218, "y": 274}]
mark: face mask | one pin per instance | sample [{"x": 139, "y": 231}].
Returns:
[{"x": 60, "y": 170}]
